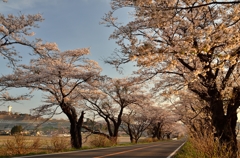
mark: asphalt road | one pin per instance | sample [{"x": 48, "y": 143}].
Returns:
[{"x": 159, "y": 149}]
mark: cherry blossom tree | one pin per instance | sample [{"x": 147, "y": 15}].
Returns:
[
  {"x": 60, "y": 75},
  {"x": 17, "y": 31},
  {"x": 195, "y": 48},
  {"x": 110, "y": 99},
  {"x": 136, "y": 120},
  {"x": 162, "y": 122},
  {"x": 189, "y": 4},
  {"x": 157, "y": 120}
]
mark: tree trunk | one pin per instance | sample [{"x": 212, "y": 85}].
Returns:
[
  {"x": 76, "y": 125},
  {"x": 168, "y": 135},
  {"x": 75, "y": 135},
  {"x": 130, "y": 133},
  {"x": 135, "y": 137},
  {"x": 109, "y": 126},
  {"x": 79, "y": 127},
  {"x": 226, "y": 134},
  {"x": 223, "y": 114},
  {"x": 156, "y": 131},
  {"x": 225, "y": 124},
  {"x": 160, "y": 134},
  {"x": 75, "y": 132},
  {"x": 116, "y": 125},
  {"x": 115, "y": 133}
]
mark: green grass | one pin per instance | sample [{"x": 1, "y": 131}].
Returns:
[
  {"x": 204, "y": 149},
  {"x": 187, "y": 151}
]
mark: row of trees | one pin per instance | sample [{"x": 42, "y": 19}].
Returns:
[
  {"x": 72, "y": 82},
  {"x": 187, "y": 46},
  {"x": 154, "y": 121}
]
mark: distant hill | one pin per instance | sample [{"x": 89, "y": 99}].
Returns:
[
  {"x": 28, "y": 122},
  {"x": 8, "y": 120},
  {"x": 10, "y": 116}
]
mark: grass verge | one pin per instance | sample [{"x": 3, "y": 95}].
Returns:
[
  {"x": 25, "y": 146},
  {"x": 194, "y": 148}
]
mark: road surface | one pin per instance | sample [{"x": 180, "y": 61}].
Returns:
[{"x": 162, "y": 149}]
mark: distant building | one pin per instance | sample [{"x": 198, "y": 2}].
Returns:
[{"x": 9, "y": 109}]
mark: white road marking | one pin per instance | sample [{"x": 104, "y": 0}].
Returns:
[
  {"x": 122, "y": 152},
  {"x": 175, "y": 150}
]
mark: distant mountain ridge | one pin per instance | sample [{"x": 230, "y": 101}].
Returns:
[
  {"x": 29, "y": 123},
  {"x": 4, "y": 115}
]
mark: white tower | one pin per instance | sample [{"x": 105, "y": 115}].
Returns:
[{"x": 9, "y": 109}]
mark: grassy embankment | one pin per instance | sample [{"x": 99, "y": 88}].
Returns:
[
  {"x": 30, "y": 145},
  {"x": 203, "y": 149}
]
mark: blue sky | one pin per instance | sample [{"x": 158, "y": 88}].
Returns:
[{"x": 71, "y": 24}]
